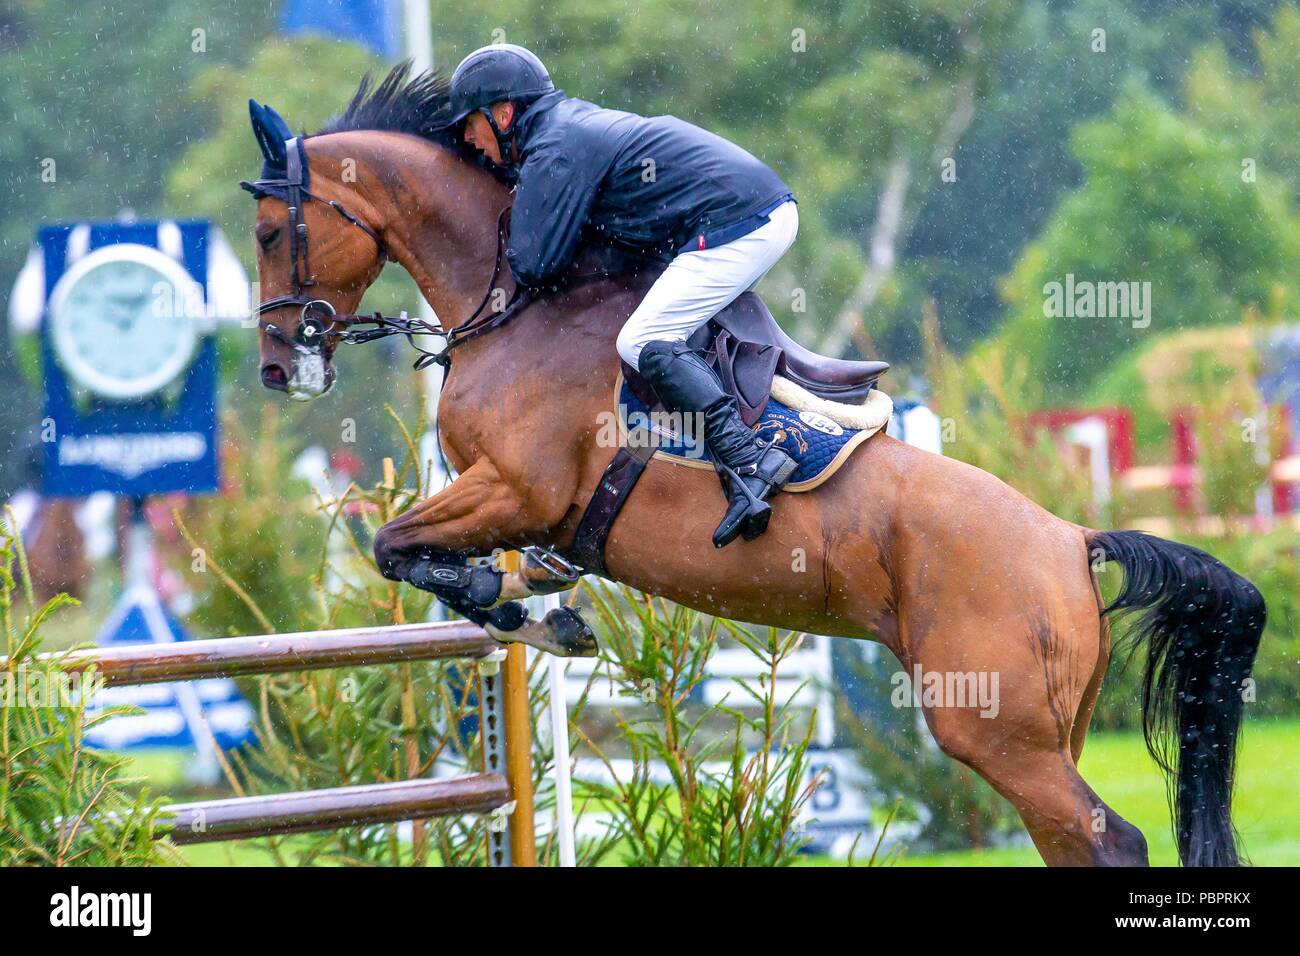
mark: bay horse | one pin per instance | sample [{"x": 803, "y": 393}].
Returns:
[{"x": 951, "y": 569}]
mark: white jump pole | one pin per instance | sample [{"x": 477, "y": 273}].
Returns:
[
  {"x": 560, "y": 740},
  {"x": 419, "y": 47},
  {"x": 417, "y": 25}
]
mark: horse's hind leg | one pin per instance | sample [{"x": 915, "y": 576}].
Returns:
[
  {"x": 1069, "y": 824},
  {"x": 1088, "y": 703},
  {"x": 1025, "y": 745}
]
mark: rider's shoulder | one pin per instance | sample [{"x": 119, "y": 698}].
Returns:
[
  {"x": 578, "y": 125},
  {"x": 586, "y": 115}
]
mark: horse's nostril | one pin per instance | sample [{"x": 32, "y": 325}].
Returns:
[{"x": 274, "y": 376}]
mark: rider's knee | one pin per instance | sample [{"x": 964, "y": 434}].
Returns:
[
  {"x": 656, "y": 357},
  {"x": 629, "y": 345}
]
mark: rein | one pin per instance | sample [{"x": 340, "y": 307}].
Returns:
[{"x": 320, "y": 325}]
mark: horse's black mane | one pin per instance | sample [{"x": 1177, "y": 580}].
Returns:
[{"x": 400, "y": 103}]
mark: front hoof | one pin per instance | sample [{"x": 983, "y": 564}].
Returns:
[
  {"x": 571, "y": 633},
  {"x": 562, "y": 633}
]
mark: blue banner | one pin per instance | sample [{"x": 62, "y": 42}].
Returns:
[
  {"x": 374, "y": 24},
  {"x": 190, "y": 715},
  {"x": 160, "y": 442}
]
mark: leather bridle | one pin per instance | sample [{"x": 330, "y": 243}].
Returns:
[{"x": 320, "y": 325}]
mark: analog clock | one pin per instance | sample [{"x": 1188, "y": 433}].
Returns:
[{"x": 118, "y": 321}]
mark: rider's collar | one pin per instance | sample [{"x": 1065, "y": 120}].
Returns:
[
  {"x": 533, "y": 114},
  {"x": 505, "y": 174},
  {"x": 515, "y": 142}
]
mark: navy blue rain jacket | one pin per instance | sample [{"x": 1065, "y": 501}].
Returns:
[{"x": 654, "y": 183}]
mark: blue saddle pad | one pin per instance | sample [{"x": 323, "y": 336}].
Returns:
[{"x": 817, "y": 443}]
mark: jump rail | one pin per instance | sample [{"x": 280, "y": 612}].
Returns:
[
  {"x": 303, "y": 811},
  {"x": 282, "y": 653},
  {"x": 504, "y": 787}
]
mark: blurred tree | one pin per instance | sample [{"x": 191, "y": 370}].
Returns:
[
  {"x": 1016, "y": 163},
  {"x": 1257, "y": 108},
  {"x": 1163, "y": 201},
  {"x": 94, "y": 90}
]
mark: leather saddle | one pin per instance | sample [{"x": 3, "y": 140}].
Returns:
[{"x": 746, "y": 347}]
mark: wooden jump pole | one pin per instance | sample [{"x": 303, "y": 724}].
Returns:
[
  {"x": 518, "y": 720},
  {"x": 519, "y": 749},
  {"x": 239, "y": 818},
  {"x": 281, "y": 653},
  {"x": 508, "y": 726}
]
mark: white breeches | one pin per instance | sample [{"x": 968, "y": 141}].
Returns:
[{"x": 699, "y": 284}]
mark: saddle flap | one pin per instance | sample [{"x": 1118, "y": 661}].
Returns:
[
  {"x": 747, "y": 319},
  {"x": 642, "y": 389},
  {"x": 746, "y": 370}
]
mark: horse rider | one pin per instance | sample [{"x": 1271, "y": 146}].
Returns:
[{"x": 656, "y": 183}]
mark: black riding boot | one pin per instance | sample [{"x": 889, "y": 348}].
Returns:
[{"x": 753, "y": 470}]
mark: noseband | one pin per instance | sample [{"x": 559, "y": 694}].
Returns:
[{"x": 320, "y": 326}]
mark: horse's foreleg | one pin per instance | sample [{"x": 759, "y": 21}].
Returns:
[
  {"x": 475, "y": 515},
  {"x": 471, "y": 516}
]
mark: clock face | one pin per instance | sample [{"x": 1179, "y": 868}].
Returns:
[{"x": 118, "y": 322}]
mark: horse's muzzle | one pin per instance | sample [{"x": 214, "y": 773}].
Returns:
[
  {"x": 309, "y": 376},
  {"x": 274, "y": 376}
]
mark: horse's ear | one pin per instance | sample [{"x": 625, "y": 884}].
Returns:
[{"x": 271, "y": 131}]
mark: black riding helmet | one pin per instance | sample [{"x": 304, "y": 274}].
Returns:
[{"x": 492, "y": 74}]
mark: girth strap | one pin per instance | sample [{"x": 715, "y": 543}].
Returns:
[{"x": 588, "y": 547}]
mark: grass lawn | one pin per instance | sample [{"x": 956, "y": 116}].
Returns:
[{"x": 1266, "y": 809}]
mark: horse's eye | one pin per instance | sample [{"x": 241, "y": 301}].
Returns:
[{"x": 265, "y": 240}]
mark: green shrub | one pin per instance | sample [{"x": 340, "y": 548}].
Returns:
[
  {"x": 735, "y": 777},
  {"x": 61, "y": 803}
]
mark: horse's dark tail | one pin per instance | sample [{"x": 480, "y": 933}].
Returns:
[{"x": 1201, "y": 622}]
